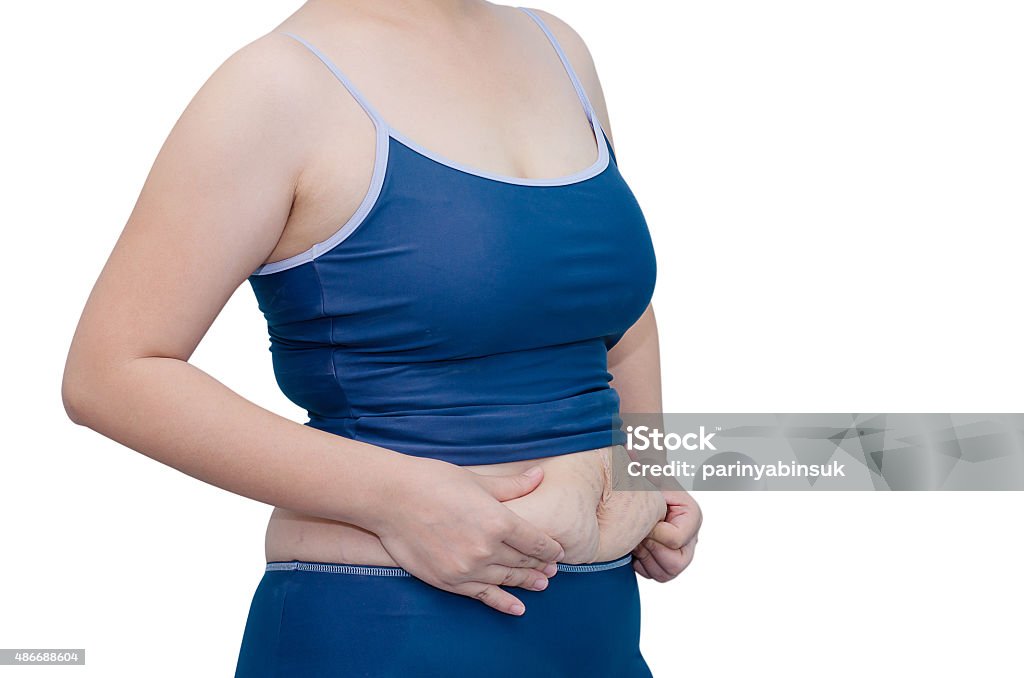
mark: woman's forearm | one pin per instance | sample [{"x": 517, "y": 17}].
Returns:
[
  {"x": 436, "y": 520},
  {"x": 175, "y": 413}
]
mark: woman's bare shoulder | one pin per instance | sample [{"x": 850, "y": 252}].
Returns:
[
  {"x": 571, "y": 41},
  {"x": 270, "y": 75}
]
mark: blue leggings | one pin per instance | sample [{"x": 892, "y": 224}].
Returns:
[{"x": 320, "y": 620}]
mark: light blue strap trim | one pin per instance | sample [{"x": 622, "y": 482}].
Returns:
[
  {"x": 603, "y": 153},
  {"x": 567, "y": 64},
  {"x": 381, "y": 571},
  {"x": 343, "y": 79},
  {"x": 380, "y": 164}
]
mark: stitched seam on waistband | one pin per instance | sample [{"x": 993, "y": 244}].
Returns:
[
  {"x": 595, "y": 567},
  {"x": 334, "y": 568},
  {"x": 382, "y": 571}
]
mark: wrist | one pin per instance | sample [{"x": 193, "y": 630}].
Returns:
[{"x": 386, "y": 490}]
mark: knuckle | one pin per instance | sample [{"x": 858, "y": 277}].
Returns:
[
  {"x": 494, "y": 527},
  {"x": 449, "y": 579},
  {"x": 543, "y": 545},
  {"x": 505, "y": 525}
]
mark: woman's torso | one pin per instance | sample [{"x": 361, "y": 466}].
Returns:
[{"x": 466, "y": 311}]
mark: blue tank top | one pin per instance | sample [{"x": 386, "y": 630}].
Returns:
[{"x": 460, "y": 314}]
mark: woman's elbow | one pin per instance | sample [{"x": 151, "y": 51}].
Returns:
[
  {"x": 85, "y": 377},
  {"x": 75, "y": 394}
]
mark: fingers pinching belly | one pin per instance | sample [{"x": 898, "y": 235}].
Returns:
[
  {"x": 574, "y": 504},
  {"x": 564, "y": 506},
  {"x": 565, "y": 512},
  {"x": 625, "y": 518},
  {"x": 577, "y": 506}
]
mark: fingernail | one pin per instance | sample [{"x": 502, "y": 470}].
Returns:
[
  {"x": 533, "y": 472},
  {"x": 540, "y": 584},
  {"x": 517, "y": 609},
  {"x": 550, "y": 569}
]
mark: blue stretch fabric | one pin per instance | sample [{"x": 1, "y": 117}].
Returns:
[
  {"x": 324, "y": 624},
  {"x": 464, "y": 315}
]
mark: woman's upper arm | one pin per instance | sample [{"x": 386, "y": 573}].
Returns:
[{"x": 213, "y": 206}]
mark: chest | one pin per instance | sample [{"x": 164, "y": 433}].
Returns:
[
  {"x": 450, "y": 264},
  {"x": 488, "y": 266}
]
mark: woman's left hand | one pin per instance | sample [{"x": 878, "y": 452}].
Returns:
[{"x": 668, "y": 549}]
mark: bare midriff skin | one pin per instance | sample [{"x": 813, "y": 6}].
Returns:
[{"x": 575, "y": 505}]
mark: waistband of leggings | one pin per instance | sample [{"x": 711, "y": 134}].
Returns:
[{"x": 383, "y": 571}]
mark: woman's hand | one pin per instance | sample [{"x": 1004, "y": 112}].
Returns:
[
  {"x": 668, "y": 550},
  {"x": 446, "y": 525}
]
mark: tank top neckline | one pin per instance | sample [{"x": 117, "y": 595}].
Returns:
[
  {"x": 594, "y": 169},
  {"x": 382, "y": 165},
  {"x": 386, "y": 131}
]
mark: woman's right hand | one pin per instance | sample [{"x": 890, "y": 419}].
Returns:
[{"x": 447, "y": 526}]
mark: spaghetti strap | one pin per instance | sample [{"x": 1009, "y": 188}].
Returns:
[
  {"x": 378, "y": 121},
  {"x": 567, "y": 64}
]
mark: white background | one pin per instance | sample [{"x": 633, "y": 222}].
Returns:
[{"x": 835, "y": 192}]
